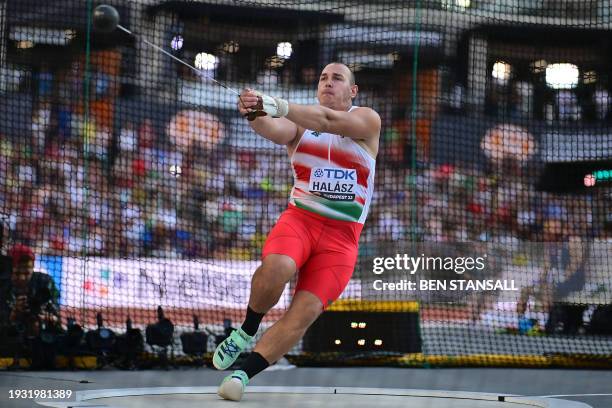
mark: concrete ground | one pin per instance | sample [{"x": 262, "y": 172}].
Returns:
[{"x": 529, "y": 382}]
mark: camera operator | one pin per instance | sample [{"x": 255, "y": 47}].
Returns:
[{"x": 30, "y": 299}]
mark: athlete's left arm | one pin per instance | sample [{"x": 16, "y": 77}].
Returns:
[{"x": 360, "y": 124}]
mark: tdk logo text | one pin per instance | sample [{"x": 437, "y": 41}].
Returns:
[{"x": 336, "y": 174}]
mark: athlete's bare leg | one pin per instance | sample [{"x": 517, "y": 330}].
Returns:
[
  {"x": 275, "y": 343},
  {"x": 267, "y": 286},
  {"x": 269, "y": 281},
  {"x": 285, "y": 333}
]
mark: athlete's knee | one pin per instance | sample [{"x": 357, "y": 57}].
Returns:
[
  {"x": 304, "y": 310},
  {"x": 275, "y": 270}
]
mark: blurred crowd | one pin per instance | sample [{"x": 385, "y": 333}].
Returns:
[
  {"x": 451, "y": 203},
  {"x": 134, "y": 194}
]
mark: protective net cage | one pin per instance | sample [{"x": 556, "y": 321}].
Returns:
[{"x": 137, "y": 184}]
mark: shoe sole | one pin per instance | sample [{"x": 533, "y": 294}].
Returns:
[{"x": 231, "y": 390}]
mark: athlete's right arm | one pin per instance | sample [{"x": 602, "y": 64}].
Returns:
[{"x": 278, "y": 130}]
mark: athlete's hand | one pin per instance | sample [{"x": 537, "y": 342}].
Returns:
[
  {"x": 247, "y": 101},
  {"x": 253, "y": 104}
]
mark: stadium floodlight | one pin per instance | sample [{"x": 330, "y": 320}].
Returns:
[
  {"x": 501, "y": 71},
  {"x": 562, "y": 76},
  {"x": 284, "y": 49},
  {"x": 206, "y": 61},
  {"x": 177, "y": 42}
]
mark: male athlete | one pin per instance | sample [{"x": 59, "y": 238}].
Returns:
[{"x": 332, "y": 147}]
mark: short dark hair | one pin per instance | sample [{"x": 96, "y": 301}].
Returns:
[{"x": 352, "y": 75}]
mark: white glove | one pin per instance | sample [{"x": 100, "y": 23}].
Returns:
[{"x": 273, "y": 106}]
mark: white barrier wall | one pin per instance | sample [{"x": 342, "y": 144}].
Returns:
[{"x": 107, "y": 282}]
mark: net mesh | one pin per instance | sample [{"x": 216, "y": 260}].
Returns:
[{"x": 137, "y": 183}]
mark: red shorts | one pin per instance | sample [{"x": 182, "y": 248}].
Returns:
[{"x": 324, "y": 250}]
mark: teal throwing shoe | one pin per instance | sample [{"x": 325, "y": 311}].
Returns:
[
  {"x": 232, "y": 387},
  {"x": 228, "y": 351}
]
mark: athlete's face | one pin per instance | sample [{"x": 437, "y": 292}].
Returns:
[{"x": 335, "y": 89}]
